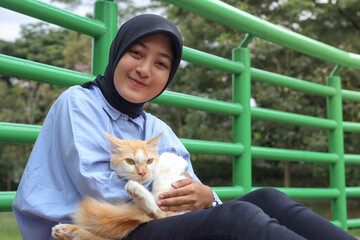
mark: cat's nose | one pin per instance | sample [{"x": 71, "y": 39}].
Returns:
[{"x": 142, "y": 173}]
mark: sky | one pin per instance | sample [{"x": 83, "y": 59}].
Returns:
[{"x": 10, "y": 21}]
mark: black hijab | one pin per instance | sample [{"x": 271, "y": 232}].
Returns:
[{"x": 131, "y": 31}]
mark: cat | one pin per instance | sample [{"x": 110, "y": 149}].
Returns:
[{"x": 138, "y": 162}]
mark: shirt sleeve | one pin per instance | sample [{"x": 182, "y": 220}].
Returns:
[{"x": 70, "y": 160}]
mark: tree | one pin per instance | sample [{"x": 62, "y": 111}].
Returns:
[
  {"x": 28, "y": 102},
  {"x": 334, "y": 23}
]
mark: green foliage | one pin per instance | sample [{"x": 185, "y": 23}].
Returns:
[
  {"x": 8, "y": 227},
  {"x": 28, "y": 102},
  {"x": 334, "y": 24}
]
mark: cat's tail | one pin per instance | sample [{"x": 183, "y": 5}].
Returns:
[{"x": 109, "y": 220}]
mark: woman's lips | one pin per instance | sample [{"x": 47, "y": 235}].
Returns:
[{"x": 137, "y": 83}]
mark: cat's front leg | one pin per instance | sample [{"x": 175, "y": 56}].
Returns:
[
  {"x": 72, "y": 232},
  {"x": 143, "y": 198}
]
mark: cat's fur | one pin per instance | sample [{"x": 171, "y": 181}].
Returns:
[{"x": 138, "y": 162}]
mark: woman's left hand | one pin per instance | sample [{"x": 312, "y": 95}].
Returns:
[{"x": 188, "y": 195}]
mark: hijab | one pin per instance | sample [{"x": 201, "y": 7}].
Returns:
[{"x": 130, "y": 32}]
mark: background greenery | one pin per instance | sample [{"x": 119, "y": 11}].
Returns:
[{"x": 335, "y": 22}]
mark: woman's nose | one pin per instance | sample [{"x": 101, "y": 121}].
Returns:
[{"x": 144, "y": 69}]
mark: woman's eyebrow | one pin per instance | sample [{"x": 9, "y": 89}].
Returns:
[{"x": 161, "y": 53}]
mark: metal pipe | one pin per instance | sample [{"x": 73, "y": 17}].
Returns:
[
  {"x": 242, "y": 173},
  {"x": 336, "y": 146},
  {"x": 238, "y": 19},
  {"x": 290, "y": 82},
  {"x": 193, "y": 102},
  {"x": 20, "y": 68},
  {"x": 210, "y": 147},
  {"x": 292, "y": 118},
  {"x": 292, "y": 155},
  {"x": 211, "y": 61}
]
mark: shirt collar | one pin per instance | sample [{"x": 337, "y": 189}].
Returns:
[{"x": 114, "y": 113}]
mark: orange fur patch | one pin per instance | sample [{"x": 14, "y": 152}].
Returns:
[{"x": 108, "y": 220}]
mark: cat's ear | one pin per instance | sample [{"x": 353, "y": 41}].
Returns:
[
  {"x": 153, "y": 142},
  {"x": 114, "y": 143}
]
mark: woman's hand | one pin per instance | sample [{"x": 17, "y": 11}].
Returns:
[{"x": 188, "y": 195}]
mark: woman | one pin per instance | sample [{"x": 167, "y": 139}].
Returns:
[{"x": 70, "y": 159}]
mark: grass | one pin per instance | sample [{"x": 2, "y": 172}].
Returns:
[{"x": 9, "y": 229}]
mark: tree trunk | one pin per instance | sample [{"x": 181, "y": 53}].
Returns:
[
  {"x": 287, "y": 177},
  {"x": 8, "y": 182}
]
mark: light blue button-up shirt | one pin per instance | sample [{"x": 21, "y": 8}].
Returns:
[{"x": 70, "y": 159}]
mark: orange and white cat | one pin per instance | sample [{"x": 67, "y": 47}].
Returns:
[{"x": 138, "y": 162}]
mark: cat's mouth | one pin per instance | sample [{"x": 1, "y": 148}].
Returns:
[{"x": 142, "y": 179}]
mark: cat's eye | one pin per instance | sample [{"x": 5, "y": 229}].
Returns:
[
  {"x": 130, "y": 161},
  {"x": 149, "y": 161}
]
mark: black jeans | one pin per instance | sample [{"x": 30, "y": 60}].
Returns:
[{"x": 263, "y": 214}]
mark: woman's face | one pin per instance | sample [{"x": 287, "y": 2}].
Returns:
[{"x": 143, "y": 71}]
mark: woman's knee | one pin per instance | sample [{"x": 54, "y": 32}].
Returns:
[
  {"x": 267, "y": 195},
  {"x": 237, "y": 211}
]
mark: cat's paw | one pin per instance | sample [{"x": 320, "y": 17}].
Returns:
[
  {"x": 64, "y": 231},
  {"x": 134, "y": 189}
]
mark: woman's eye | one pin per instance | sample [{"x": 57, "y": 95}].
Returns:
[
  {"x": 129, "y": 161},
  {"x": 162, "y": 64},
  {"x": 149, "y": 161},
  {"x": 135, "y": 53}
]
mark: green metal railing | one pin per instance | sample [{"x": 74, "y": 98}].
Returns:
[{"x": 104, "y": 27}]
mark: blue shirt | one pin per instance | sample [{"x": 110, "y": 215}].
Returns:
[{"x": 70, "y": 159}]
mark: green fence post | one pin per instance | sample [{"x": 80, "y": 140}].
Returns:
[
  {"x": 106, "y": 12},
  {"x": 242, "y": 123},
  {"x": 336, "y": 145}
]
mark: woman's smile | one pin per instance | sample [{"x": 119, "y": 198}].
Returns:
[{"x": 137, "y": 83}]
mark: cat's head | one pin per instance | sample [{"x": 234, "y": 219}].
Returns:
[{"x": 134, "y": 159}]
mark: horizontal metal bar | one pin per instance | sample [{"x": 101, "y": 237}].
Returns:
[
  {"x": 18, "y": 133},
  {"x": 210, "y": 147},
  {"x": 30, "y": 70},
  {"x": 6, "y": 199},
  {"x": 292, "y": 155},
  {"x": 212, "y": 61},
  {"x": 352, "y": 158},
  {"x": 22, "y": 133},
  {"x": 229, "y": 193},
  {"x": 337, "y": 223},
  {"x": 352, "y": 192},
  {"x": 350, "y": 95},
  {"x": 20, "y": 68},
  {"x": 238, "y": 19},
  {"x": 57, "y": 16},
  {"x": 308, "y": 193},
  {"x": 290, "y": 82},
  {"x": 193, "y": 102},
  {"x": 353, "y": 223},
  {"x": 292, "y": 118},
  {"x": 351, "y": 127}
]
